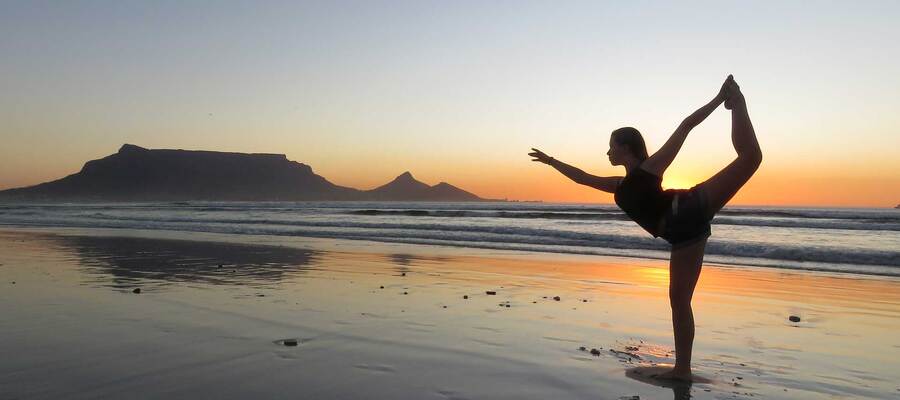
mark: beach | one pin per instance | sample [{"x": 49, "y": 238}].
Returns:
[{"x": 129, "y": 313}]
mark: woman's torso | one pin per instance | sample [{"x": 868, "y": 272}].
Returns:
[{"x": 641, "y": 197}]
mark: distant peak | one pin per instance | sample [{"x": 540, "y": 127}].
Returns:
[
  {"x": 129, "y": 148},
  {"x": 406, "y": 176}
]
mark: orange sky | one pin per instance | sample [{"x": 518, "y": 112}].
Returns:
[{"x": 461, "y": 93}]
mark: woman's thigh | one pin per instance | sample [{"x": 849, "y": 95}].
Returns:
[
  {"x": 684, "y": 270},
  {"x": 722, "y": 186}
]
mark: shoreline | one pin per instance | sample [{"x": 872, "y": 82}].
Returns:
[
  {"x": 430, "y": 248},
  {"x": 383, "y": 320}
]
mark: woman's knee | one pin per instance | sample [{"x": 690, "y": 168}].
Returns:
[
  {"x": 680, "y": 302},
  {"x": 752, "y": 158}
]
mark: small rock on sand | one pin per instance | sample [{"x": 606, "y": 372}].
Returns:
[
  {"x": 220, "y": 265},
  {"x": 290, "y": 342},
  {"x": 582, "y": 348},
  {"x": 794, "y": 318},
  {"x": 465, "y": 296},
  {"x": 136, "y": 290},
  {"x": 403, "y": 274},
  {"x": 595, "y": 352},
  {"x": 382, "y": 287},
  {"x": 491, "y": 292},
  {"x": 556, "y": 298}
]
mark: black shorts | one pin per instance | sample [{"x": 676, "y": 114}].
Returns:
[{"x": 687, "y": 221}]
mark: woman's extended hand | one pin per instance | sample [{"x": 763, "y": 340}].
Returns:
[
  {"x": 540, "y": 156},
  {"x": 723, "y": 92},
  {"x": 733, "y": 95}
]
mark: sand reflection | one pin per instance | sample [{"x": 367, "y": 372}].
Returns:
[{"x": 122, "y": 262}]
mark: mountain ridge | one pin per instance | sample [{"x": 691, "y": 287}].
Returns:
[{"x": 136, "y": 173}]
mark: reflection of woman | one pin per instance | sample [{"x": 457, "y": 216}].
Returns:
[{"x": 679, "y": 216}]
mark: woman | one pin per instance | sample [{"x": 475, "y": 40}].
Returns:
[{"x": 680, "y": 216}]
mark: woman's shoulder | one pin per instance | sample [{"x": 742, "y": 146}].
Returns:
[{"x": 639, "y": 170}]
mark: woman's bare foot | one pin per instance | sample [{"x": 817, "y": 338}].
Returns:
[
  {"x": 734, "y": 95},
  {"x": 675, "y": 375}
]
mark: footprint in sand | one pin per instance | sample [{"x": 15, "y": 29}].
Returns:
[
  {"x": 489, "y": 343},
  {"x": 292, "y": 342},
  {"x": 376, "y": 368},
  {"x": 451, "y": 395}
]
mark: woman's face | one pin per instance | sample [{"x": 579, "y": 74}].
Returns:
[{"x": 617, "y": 152}]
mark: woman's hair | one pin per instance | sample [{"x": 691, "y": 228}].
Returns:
[{"x": 633, "y": 139}]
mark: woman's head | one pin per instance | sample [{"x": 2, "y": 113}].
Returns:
[{"x": 625, "y": 143}]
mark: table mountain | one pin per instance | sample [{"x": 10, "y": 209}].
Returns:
[{"x": 138, "y": 174}]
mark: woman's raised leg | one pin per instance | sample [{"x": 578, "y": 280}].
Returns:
[{"x": 726, "y": 183}]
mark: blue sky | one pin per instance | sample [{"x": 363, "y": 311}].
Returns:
[{"x": 455, "y": 91}]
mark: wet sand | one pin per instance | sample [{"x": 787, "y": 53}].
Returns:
[{"x": 313, "y": 318}]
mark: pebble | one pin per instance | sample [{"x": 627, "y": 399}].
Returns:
[
  {"x": 491, "y": 292},
  {"x": 556, "y": 298},
  {"x": 382, "y": 287},
  {"x": 465, "y": 296},
  {"x": 582, "y": 348},
  {"x": 136, "y": 290},
  {"x": 405, "y": 293},
  {"x": 290, "y": 342},
  {"x": 403, "y": 274},
  {"x": 794, "y": 318},
  {"x": 220, "y": 265},
  {"x": 595, "y": 352}
]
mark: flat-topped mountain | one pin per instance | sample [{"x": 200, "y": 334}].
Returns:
[{"x": 138, "y": 174}]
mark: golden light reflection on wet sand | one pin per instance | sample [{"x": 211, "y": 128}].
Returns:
[{"x": 436, "y": 298}]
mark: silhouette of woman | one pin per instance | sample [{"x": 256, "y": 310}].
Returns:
[{"x": 680, "y": 216}]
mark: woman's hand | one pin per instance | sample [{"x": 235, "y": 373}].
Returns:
[
  {"x": 734, "y": 97},
  {"x": 722, "y": 96},
  {"x": 540, "y": 156}
]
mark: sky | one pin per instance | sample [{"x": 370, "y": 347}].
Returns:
[{"x": 460, "y": 91}]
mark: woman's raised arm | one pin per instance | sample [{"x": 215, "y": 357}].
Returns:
[{"x": 660, "y": 161}]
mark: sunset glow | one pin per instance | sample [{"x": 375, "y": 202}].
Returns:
[{"x": 461, "y": 92}]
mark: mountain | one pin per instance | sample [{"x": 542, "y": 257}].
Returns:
[
  {"x": 138, "y": 174},
  {"x": 408, "y": 188}
]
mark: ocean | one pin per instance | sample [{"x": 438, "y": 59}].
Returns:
[{"x": 841, "y": 240}]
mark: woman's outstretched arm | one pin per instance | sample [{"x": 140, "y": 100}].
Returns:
[
  {"x": 660, "y": 161},
  {"x": 606, "y": 184}
]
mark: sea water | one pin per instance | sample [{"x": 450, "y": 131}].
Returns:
[{"x": 843, "y": 240}]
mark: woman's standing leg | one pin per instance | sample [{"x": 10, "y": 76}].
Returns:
[{"x": 684, "y": 271}]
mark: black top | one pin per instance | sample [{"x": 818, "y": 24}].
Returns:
[{"x": 640, "y": 195}]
